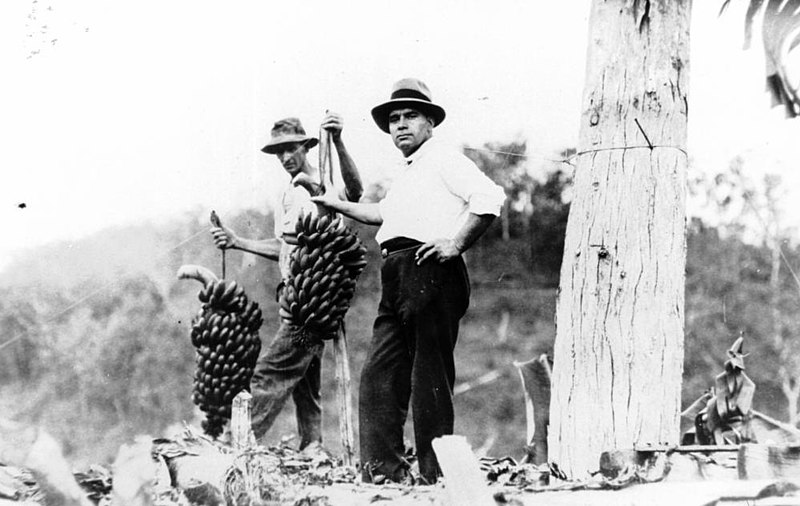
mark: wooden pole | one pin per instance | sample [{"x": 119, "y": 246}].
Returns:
[
  {"x": 241, "y": 432},
  {"x": 340, "y": 341},
  {"x": 343, "y": 395},
  {"x": 536, "y": 375}
]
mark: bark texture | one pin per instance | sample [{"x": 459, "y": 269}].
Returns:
[{"x": 618, "y": 356}]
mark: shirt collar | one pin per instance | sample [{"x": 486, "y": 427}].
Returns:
[{"x": 420, "y": 152}]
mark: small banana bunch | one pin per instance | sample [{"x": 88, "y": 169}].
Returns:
[
  {"x": 225, "y": 335},
  {"x": 325, "y": 266}
]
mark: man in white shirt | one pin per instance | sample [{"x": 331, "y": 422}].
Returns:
[
  {"x": 284, "y": 368},
  {"x": 436, "y": 208}
]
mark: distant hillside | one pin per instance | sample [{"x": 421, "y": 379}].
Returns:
[{"x": 95, "y": 344}]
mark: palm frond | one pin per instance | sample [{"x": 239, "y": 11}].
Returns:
[{"x": 780, "y": 34}]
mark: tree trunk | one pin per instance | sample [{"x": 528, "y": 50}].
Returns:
[
  {"x": 619, "y": 343},
  {"x": 505, "y": 219}
]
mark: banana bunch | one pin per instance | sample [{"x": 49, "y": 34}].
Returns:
[
  {"x": 324, "y": 268},
  {"x": 225, "y": 335}
]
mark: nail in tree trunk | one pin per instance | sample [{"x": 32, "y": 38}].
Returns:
[{"x": 618, "y": 355}]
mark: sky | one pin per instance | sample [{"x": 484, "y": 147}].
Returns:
[{"x": 116, "y": 113}]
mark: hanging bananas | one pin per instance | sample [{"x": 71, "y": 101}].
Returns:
[
  {"x": 324, "y": 268},
  {"x": 225, "y": 335}
]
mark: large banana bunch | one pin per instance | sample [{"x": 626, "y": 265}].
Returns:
[
  {"x": 324, "y": 268},
  {"x": 225, "y": 335}
]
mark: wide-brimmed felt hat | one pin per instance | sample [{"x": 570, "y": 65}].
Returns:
[
  {"x": 286, "y": 131},
  {"x": 412, "y": 93}
]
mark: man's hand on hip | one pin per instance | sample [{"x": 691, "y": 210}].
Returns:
[{"x": 441, "y": 250}]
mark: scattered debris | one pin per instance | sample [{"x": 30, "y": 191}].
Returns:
[
  {"x": 726, "y": 416},
  {"x": 96, "y": 481},
  {"x": 17, "y": 484},
  {"x": 194, "y": 469}
]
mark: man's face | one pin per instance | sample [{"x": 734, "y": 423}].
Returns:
[
  {"x": 292, "y": 156},
  {"x": 409, "y": 128}
]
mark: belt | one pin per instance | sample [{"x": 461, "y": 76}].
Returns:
[{"x": 398, "y": 244}]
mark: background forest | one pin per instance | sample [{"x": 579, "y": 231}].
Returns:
[{"x": 94, "y": 334}]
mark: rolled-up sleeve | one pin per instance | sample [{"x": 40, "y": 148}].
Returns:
[
  {"x": 487, "y": 203},
  {"x": 463, "y": 178}
]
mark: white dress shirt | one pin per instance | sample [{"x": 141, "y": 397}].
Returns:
[
  {"x": 433, "y": 194},
  {"x": 293, "y": 199}
]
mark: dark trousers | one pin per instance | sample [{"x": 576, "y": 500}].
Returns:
[
  {"x": 411, "y": 359},
  {"x": 285, "y": 369}
]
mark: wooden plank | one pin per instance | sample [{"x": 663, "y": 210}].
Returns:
[
  {"x": 705, "y": 448},
  {"x": 687, "y": 448},
  {"x": 343, "y": 395},
  {"x": 463, "y": 481}
]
